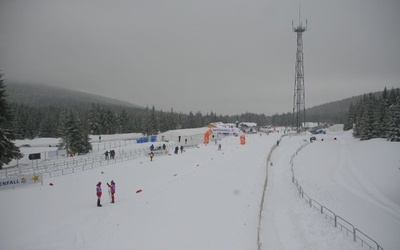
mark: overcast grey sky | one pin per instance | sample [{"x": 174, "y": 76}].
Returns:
[{"x": 225, "y": 56}]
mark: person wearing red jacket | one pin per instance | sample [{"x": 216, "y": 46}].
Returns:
[
  {"x": 112, "y": 190},
  {"x": 98, "y": 193}
]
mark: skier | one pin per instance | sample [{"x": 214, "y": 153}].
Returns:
[
  {"x": 151, "y": 156},
  {"x": 111, "y": 189},
  {"x": 106, "y": 154},
  {"x": 176, "y": 150},
  {"x": 181, "y": 148},
  {"x": 98, "y": 193},
  {"x": 219, "y": 147}
]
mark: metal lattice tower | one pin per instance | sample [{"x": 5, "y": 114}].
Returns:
[{"x": 299, "y": 109}]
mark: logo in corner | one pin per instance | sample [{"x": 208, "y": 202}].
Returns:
[{"x": 35, "y": 178}]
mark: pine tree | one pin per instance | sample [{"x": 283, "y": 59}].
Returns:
[
  {"x": 367, "y": 123},
  {"x": 108, "y": 122},
  {"x": 124, "y": 121},
  {"x": 172, "y": 120},
  {"x": 153, "y": 122},
  {"x": 349, "y": 121},
  {"x": 382, "y": 118},
  {"x": 8, "y": 150},
  {"x": 74, "y": 138},
  {"x": 358, "y": 114},
  {"x": 190, "y": 121},
  {"x": 394, "y": 129},
  {"x": 94, "y": 119},
  {"x": 163, "y": 121}
]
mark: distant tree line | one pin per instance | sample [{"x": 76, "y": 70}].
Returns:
[
  {"x": 375, "y": 116},
  {"x": 47, "y": 121}
]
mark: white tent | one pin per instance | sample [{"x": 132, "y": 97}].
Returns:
[{"x": 181, "y": 135}]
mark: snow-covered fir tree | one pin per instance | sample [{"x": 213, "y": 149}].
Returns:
[
  {"x": 394, "y": 126},
  {"x": 376, "y": 118},
  {"x": 8, "y": 150},
  {"x": 74, "y": 138},
  {"x": 123, "y": 121},
  {"x": 94, "y": 119},
  {"x": 154, "y": 122},
  {"x": 349, "y": 119}
]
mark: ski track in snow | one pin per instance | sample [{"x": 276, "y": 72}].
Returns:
[
  {"x": 362, "y": 187},
  {"x": 286, "y": 217},
  {"x": 336, "y": 179}
]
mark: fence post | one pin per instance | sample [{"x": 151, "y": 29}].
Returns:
[{"x": 335, "y": 220}]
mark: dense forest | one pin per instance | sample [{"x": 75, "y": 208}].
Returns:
[
  {"x": 40, "y": 111},
  {"x": 30, "y": 111},
  {"x": 375, "y": 116}
]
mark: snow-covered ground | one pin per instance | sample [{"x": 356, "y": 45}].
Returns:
[{"x": 210, "y": 199}]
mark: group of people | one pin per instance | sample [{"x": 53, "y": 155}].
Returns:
[
  {"x": 110, "y": 155},
  {"x": 177, "y": 149},
  {"x": 99, "y": 192},
  {"x": 152, "y": 148}
]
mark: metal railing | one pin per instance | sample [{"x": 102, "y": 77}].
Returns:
[
  {"x": 82, "y": 163},
  {"x": 336, "y": 220}
]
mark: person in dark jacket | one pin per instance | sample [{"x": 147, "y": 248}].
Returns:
[{"x": 112, "y": 154}]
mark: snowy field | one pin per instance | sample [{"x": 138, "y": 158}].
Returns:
[{"x": 210, "y": 199}]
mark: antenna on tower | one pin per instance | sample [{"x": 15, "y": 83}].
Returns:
[{"x": 299, "y": 13}]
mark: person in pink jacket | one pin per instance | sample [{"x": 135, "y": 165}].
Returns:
[
  {"x": 112, "y": 190},
  {"x": 98, "y": 193}
]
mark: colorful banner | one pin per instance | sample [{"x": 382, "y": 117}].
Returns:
[
  {"x": 12, "y": 182},
  {"x": 225, "y": 130}
]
